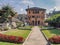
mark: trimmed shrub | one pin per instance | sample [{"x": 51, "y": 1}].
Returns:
[{"x": 55, "y": 39}]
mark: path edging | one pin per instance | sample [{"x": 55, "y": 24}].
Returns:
[
  {"x": 45, "y": 37},
  {"x": 27, "y": 37}
]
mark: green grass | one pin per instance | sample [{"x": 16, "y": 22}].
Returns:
[
  {"x": 25, "y": 27},
  {"x": 55, "y": 44},
  {"x": 6, "y": 43},
  {"x": 52, "y": 32},
  {"x": 15, "y": 32}
]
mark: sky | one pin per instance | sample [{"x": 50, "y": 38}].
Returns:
[{"x": 20, "y": 5}]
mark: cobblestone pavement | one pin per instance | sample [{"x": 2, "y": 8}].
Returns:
[{"x": 35, "y": 37}]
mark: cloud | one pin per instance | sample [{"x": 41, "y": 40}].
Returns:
[
  {"x": 12, "y": 1},
  {"x": 57, "y": 4},
  {"x": 56, "y": 7},
  {"x": 0, "y": 4},
  {"x": 27, "y": 2},
  {"x": 21, "y": 9},
  {"x": 49, "y": 10}
]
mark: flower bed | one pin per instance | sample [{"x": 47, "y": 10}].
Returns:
[
  {"x": 13, "y": 39},
  {"x": 55, "y": 39}
]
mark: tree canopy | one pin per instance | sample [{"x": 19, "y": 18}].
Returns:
[
  {"x": 54, "y": 20},
  {"x": 6, "y": 11}
]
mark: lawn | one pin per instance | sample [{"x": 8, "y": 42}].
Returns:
[
  {"x": 15, "y": 32},
  {"x": 6, "y": 43},
  {"x": 51, "y": 32},
  {"x": 25, "y": 27}
]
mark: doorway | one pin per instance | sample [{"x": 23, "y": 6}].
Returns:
[{"x": 35, "y": 23}]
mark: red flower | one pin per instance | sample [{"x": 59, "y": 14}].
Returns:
[
  {"x": 55, "y": 39},
  {"x": 11, "y": 38},
  {"x": 20, "y": 39}
]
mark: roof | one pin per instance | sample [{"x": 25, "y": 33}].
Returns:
[{"x": 35, "y": 8}]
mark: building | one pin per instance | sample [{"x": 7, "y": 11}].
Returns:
[
  {"x": 35, "y": 15},
  {"x": 22, "y": 17}
]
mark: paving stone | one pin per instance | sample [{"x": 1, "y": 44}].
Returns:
[{"x": 35, "y": 38}]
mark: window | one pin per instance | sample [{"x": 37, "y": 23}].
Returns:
[
  {"x": 42, "y": 12},
  {"x": 37, "y": 16},
  {"x": 36, "y": 11},
  {"x": 42, "y": 17},
  {"x": 29, "y": 17},
  {"x": 25, "y": 18},
  {"x": 33, "y": 16},
  {"x": 29, "y": 12}
]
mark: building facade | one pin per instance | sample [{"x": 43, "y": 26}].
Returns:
[
  {"x": 35, "y": 16},
  {"x": 22, "y": 17}
]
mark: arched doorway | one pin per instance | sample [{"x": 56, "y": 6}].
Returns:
[
  {"x": 35, "y": 23},
  {"x": 32, "y": 22},
  {"x": 38, "y": 22}
]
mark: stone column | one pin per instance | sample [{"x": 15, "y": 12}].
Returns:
[
  {"x": 37, "y": 22},
  {"x": 34, "y": 22}
]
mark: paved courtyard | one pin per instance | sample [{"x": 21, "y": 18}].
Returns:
[{"x": 35, "y": 37}]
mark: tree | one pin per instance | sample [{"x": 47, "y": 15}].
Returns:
[
  {"x": 54, "y": 20},
  {"x": 7, "y": 11}
]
